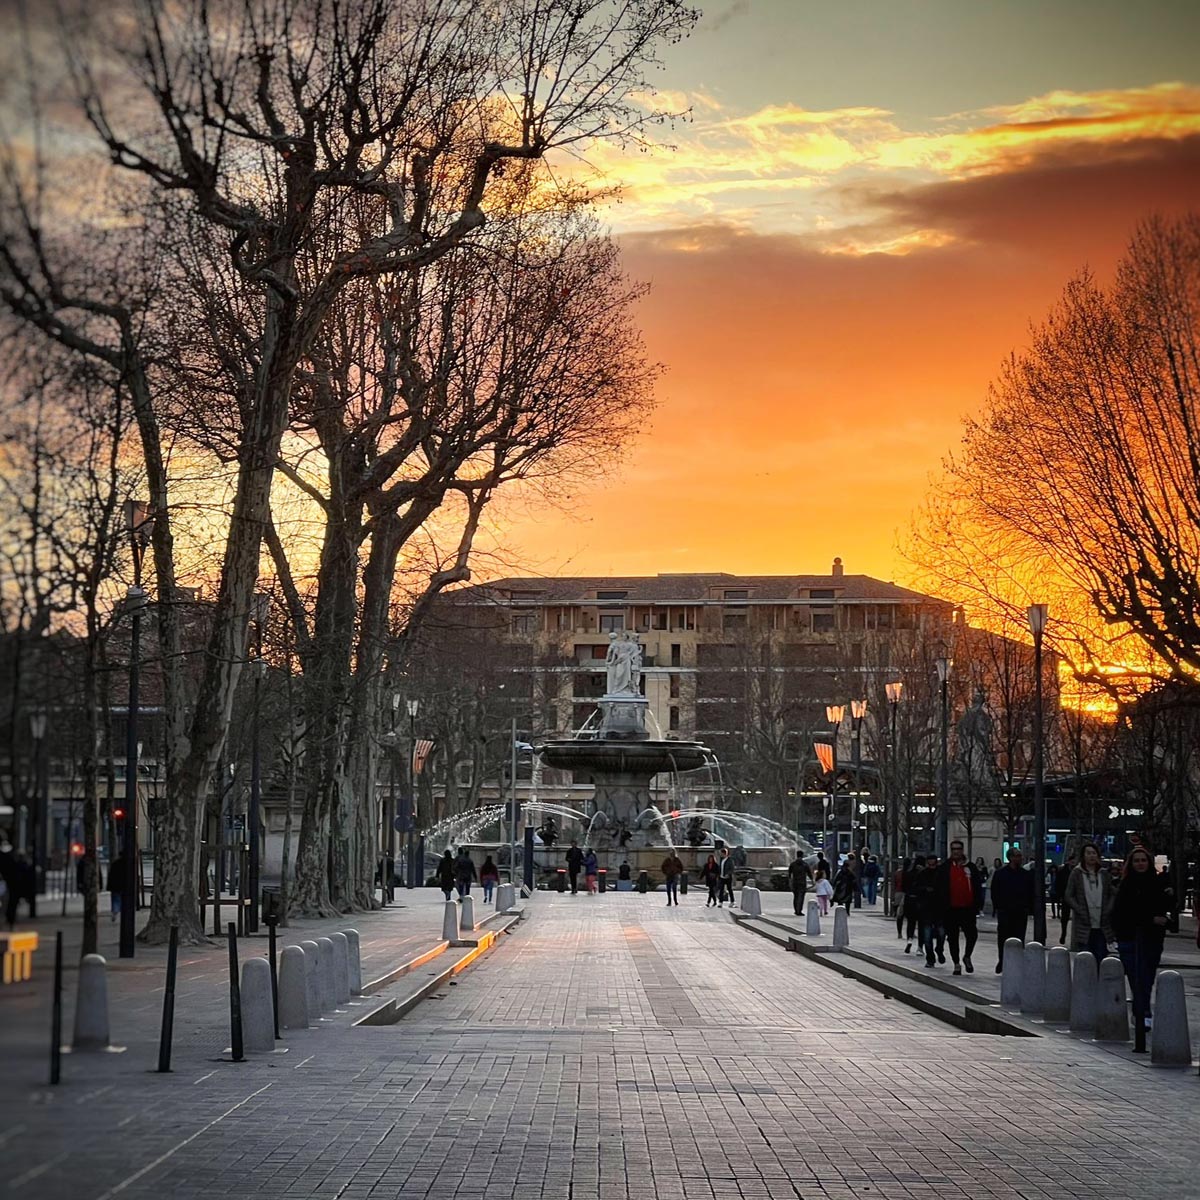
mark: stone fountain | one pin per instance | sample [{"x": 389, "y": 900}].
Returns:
[{"x": 622, "y": 758}]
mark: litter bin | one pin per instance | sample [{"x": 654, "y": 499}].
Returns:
[
  {"x": 272, "y": 905},
  {"x": 683, "y": 884},
  {"x": 643, "y": 884},
  {"x": 602, "y": 880},
  {"x": 562, "y": 879}
]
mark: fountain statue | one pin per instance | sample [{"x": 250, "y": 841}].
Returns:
[{"x": 622, "y": 758}]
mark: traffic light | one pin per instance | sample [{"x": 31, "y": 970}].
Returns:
[
  {"x": 118, "y": 814},
  {"x": 77, "y": 848}
]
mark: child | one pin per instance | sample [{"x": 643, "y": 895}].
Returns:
[{"x": 824, "y": 892}]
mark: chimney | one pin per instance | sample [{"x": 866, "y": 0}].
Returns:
[{"x": 837, "y": 568}]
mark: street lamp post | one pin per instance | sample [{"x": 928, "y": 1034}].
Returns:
[
  {"x": 892, "y": 808},
  {"x": 387, "y": 873},
  {"x": 409, "y": 802},
  {"x": 513, "y": 811},
  {"x": 37, "y": 731},
  {"x": 834, "y": 714},
  {"x": 139, "y": 523},
  {"x": 262, "y": 602},
  {"x": 942, "y": 823},
  {"x": 1038, "y": 614},
  {"x": 858, "y": 710}
]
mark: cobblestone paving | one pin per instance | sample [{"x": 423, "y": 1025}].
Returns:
[{"x": 612, "y": 1048}]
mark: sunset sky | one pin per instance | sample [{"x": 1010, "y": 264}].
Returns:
[{"x": 870, "y": 203}]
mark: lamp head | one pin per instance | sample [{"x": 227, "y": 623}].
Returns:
[
  {"x": 895, "y": 691},
  {"x": 139, "y": 519},
  {"x": 835, "y": 713},
  {"x": 1038, "y": 614},
  {"x": 414, "y": 706},
  {"x": 858, "y": 709},
  {"x": 943, "y": 669}
]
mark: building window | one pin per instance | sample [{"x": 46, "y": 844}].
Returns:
[
  {"x": 733, "y": 620},
  {"x": 674, "y": 686},
  {"x": 612, "y": 622},
  {"x": 611, "y": 595},
  {"x": 822, "y": 594},
  {"x": 525, "y": 623},
  {"x": 599, "y": 651},
  {"x": 823, "y": 620},
  {"x": 675, "y": 654},
  {"x": 673, "y": 717},
  {"x": 565, "y": 621},
  {"x": 737, "y": 593},
  {"x": 660, "y": 620}
]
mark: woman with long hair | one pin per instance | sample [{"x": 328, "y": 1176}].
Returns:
[
  {"x": 1089, "y": 896},
  {"x": 712, "y": 876},
  {"x": 1140, "y": 914}
]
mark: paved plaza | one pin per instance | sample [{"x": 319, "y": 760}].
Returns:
[{"x": 608, "y": 1047}]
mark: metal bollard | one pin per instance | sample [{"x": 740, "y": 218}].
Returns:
[
  {"x": 235, "y": 998},
  {"x": 168, "y": 1010},
  {"x": 272, "y": 921},
  {"x": 56, "y": 1015},
  {"x": 683, "y": 884}
]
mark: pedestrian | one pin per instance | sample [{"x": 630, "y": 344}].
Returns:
[
  {"x": 464, "y": 872},
  {"x": 858, "y": 863},
  {"x": 821, "y": 864},
  {"x": 1052, "y": 888},
  {"x": 799, "y": 876},
  {"x": 923, "y": 891},
  {"x": 1012, "y": 902},
  {"x": 444, "y": 873},
  {"x": 1141, "y": 912},
  {"x": 591, "y": 868},
  {"x": 1089, "y": 896},
  {"x": 574, "y": 862},
  {"x": 984, "y": 874},
  {"x": 911, "y": 908},
  {"x": 870, "y": 880},
  {"x": 1061, "y": 878},
  {"x": 823, "y": 890},
  {"x": 672, "y": 869},
  {"x": 725, "y": 863},
  {"x": 898, "y": 895},
  {"x": 712, "y": 877},
  {"x": 959, "y": 898},
  {"x": 116, "y": 885},
  {"x": 489, "y": 876},
  {"x": 845, "y": 883}
]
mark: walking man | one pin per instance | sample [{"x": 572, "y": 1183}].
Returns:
[
  {"x": 574, "y": 863},
  {"x": 959, "y": 898},
  {"x": 464, "y": 872},
  {"x": 672, "y": 868},
  {"x": 726, "y": 888},
  {"x": 1012, "y": 902},
  {"x": 870, "y": 879},
  {"x": 800, "y": 877}
]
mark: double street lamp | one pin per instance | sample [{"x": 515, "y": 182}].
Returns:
[
  {"x": 38, "y": 816},
  {"x": 262, "y": 602},
  {"x": 942, "y": 823},
  {"x": 139, "y": 524},
  {"x": 1038, "y": 614},
  {"x": 858, "y": 710},
  {"x": 894, "y": 692},
  {"x": 834, "y": 714}
]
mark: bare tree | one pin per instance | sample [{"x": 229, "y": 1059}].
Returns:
[{"x": 260, "y": 124}]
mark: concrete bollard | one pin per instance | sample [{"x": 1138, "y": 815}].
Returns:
[
  {"x": 1033, "y": 978},
  {"x": 841, "y": 928},
  {"x": 751, "y": 902},
  {"x": 1058, "y": 985},
  {"x": 91, "y": 1004},
  {"x": 506, "y": 897},
  {"x": 327, "y": 974},
  {"x": 1112, "y": 1013},
  {"x": 812, "y": 924},
  {"x": 293, "y": 989},
  {"x": 355, "y": 945},
  {"x": 1083, "y": 992},
  {"x": 341, "y": 966},
  {"x": 312, "y": 978},
  {"x": 1010, "y": 980},
  {"x": 466, "y": 915},
  {"x": 258, "y": 1019},
  {"x": 450, "y": 930},
  {"x": 1170, "y": 1040}
]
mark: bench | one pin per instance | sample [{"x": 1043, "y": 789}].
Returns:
[{"x": 18, "y": 951}]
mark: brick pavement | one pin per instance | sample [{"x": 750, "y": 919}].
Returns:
[{"x": 609, "y": 1048}]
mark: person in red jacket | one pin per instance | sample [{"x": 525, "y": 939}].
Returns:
[{"x": 959, "y": 895}]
